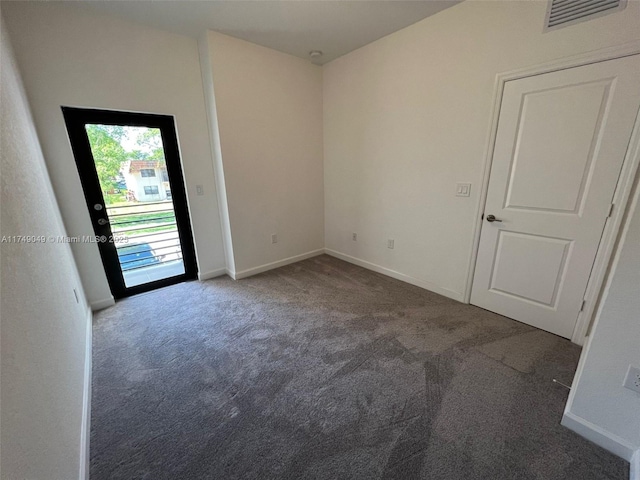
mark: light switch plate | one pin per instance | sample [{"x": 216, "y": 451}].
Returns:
[{"x": 463, "y": 189}]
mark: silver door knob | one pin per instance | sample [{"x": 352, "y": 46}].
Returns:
[
  {"x": 492, "y": 218},
  {"x": 102, "y": 221}
]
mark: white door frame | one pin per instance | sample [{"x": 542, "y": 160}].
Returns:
[{"x": 620, "y": 198}]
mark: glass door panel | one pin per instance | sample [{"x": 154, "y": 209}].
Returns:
[{"x": 130, "y": 171}]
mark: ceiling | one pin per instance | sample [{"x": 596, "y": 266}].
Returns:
[{"x": 335, "y": 27}]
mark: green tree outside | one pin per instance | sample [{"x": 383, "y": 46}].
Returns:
[{"x": 109, "y": 154}]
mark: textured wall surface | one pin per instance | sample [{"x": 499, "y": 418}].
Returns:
[{"x": 44, "y": 329}]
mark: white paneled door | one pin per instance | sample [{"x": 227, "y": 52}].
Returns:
[{"x": 560, "y": 144}]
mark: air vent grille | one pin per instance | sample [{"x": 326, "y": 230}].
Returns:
[{"x": 567, "y": 12}]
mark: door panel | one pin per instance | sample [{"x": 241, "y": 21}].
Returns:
[
  {"x": 543, "y": 258},
  {"x": 560, "y": 144},
  {"x": 130, "y": 171},
  {"x": 569, "y": 119}
]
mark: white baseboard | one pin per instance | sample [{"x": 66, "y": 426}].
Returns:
[
  {"x": 270, "y": 266},
  {"x": 86, "y": 402},
  {"x": 599, "y": 436},
  {"x": 397, "y": 275},
  {"x": 634, "y": 469},
  {"x": 102, "y": 304},
  {"x": 202, "y": 276}
]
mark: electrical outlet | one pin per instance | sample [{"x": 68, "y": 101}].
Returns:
[
  {"x": 390, "y": 243},
  {"x": 632, "y": 380},
  {"x": 274, "y": 238},
  {"x": 199, "y": 190},
  {"x": 354, "y": 237}
]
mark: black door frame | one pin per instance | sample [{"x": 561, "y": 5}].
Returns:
[{"x": 76, "y": 119}]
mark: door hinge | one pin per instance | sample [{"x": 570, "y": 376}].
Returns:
[
  {"x": 584, "y": 302},
  {"x": 611, "y": 210}
]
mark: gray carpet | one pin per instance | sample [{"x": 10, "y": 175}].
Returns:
[{"x": 324, "y": 370}]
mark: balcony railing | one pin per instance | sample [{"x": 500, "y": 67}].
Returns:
[{"x": 146, "y": 235}]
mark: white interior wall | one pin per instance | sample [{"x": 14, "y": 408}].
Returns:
[
  {"x": 71, "y": 57},
  {"x": 216, "y": 153},
  {"x": 268, "y": 109},
  {"x": 408, "y": 116},
  {"x": 598, "y": 397},
  {"x": 44, "y": 332}
]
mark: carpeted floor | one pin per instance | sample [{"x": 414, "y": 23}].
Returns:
[{"x": 324, "y": 370}]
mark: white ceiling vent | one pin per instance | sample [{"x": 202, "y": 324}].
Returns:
[{"x": 561, "y": 13}]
